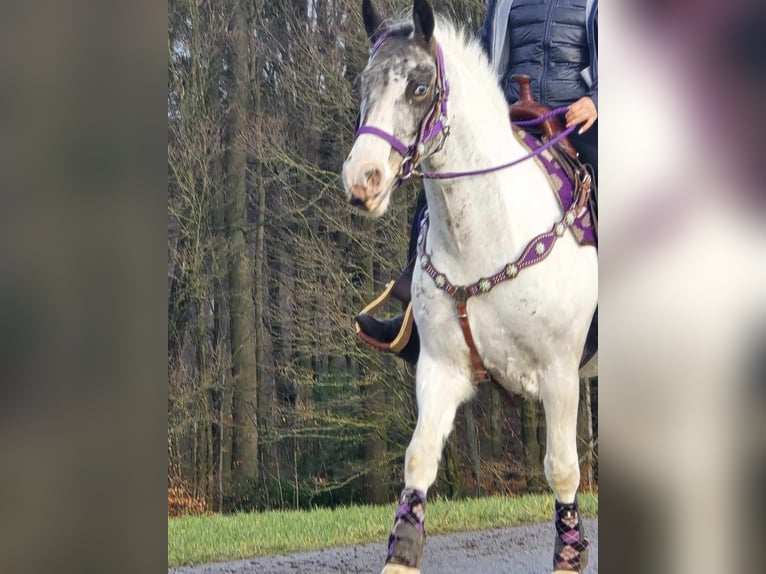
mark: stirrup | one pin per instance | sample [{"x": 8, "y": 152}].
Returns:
[{"x": 405, "y": 332}]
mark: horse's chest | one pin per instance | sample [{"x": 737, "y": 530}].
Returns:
[
  {"x": 514, "y": 346},
  {"x": 512, "y": 336}
]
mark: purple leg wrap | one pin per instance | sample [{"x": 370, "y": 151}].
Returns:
[
  {"x": 571, "y": 546},
  {"x": 407, "y": 538}
]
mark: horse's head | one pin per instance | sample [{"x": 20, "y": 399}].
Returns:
[{"x": 400, "y": 85}]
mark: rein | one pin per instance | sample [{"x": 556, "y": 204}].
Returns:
[{"x": 537, "y": 152}]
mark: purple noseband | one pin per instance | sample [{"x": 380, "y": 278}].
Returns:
[{"x": 395, "y": 143}]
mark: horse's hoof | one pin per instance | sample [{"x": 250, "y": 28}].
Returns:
[{"x": 397, "y": 569}]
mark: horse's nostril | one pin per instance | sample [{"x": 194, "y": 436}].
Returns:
[
  {"x": 356, "y": 201},
  {"x": 373, "y": 177}
]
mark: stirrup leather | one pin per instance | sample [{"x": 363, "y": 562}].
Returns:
[{"x": 402, "y": 338}]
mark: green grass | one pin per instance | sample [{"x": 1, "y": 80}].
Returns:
[{"x": 216, "y": 538}]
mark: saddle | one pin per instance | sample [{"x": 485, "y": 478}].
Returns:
[{"x": 526, "y": 108}]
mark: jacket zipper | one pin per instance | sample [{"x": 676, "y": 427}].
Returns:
[{"x": 546, "y": 49}]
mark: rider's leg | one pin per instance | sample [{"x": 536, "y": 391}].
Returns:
[
  {"x": 420, "y": 205},
  {"x": 587, "y": 146},
  {"x": 386, "y": 330}
]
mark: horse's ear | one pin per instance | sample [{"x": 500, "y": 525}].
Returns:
[
  {"x": 372, "y": 21},
  {"x": 423, "y": 16}
]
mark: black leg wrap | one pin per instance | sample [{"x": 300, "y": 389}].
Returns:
[
  {"x": 407, "y": 538},
  {"x": 571, "y": 546}
]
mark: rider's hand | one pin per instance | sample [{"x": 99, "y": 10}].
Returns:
[{"x": 583, "y": 110}]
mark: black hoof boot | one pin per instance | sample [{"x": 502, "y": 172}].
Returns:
[
  {"x": 570, "y": 551},
  {"x": 408, "y": 536}
]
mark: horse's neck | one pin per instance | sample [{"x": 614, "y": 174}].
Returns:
[{"x": 471, "y": 213}]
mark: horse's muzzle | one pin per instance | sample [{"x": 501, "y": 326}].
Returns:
[
  {"x": 364, "y": 186},
  {"x": 363, "y": 182}
]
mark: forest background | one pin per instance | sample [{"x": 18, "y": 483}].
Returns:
[{"x": 272, "y": 401}]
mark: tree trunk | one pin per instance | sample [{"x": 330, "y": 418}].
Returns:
[
  {"x": 203, "y": 441},
  {"x": 223, "y": 446},
  {"x": 585, "y": 436},
  {"x": 495, "y": 428},
  {"x": 266, "y": 386},
  {"x": 221, "y": 393},
  {"x": 452, "y": 468},
  {"x": 245, "y": 440},
  {"x": 532, "y": 451},
  {"x": 375, "y": 485},
  {"x": 472, "y": 439}
]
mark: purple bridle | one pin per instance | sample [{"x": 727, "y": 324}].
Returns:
[{"x": 436, "y": 122}]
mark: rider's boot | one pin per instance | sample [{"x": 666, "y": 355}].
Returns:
[{"x": 399, "y": 334}]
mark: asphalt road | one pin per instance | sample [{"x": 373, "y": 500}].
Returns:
[{"x": 518, "y": 550}]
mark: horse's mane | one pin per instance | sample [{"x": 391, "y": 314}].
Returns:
[
  {"x": 460, "y": 41},
  {"x": 462, "y": 44}
]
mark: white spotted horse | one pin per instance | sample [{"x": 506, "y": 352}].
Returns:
[{"x": 506, "y": 282}]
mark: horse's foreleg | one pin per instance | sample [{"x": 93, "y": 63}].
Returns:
[
  {"x": 560, "y": 398},
  {"x": 439, "y": 393}
]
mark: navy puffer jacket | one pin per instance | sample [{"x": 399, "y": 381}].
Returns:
[{"x": 552, "y": 41}]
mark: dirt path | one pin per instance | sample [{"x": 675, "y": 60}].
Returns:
[{"x": 518, "y": 550}]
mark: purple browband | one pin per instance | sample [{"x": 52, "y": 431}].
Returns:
[{"x": 378, "y": 42}]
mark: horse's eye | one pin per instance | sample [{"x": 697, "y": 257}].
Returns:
[{"x": 420, "y": 90}]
